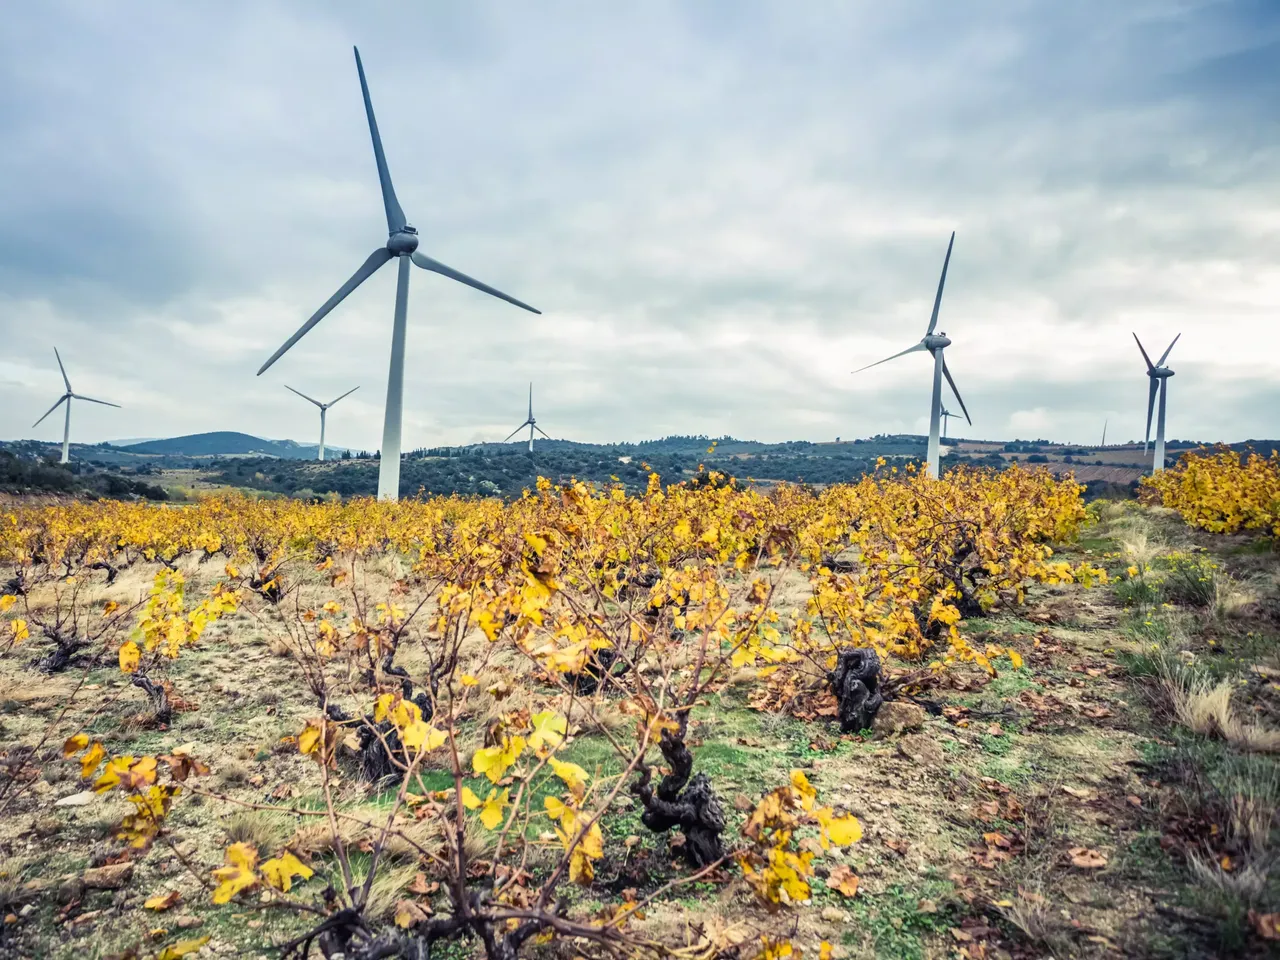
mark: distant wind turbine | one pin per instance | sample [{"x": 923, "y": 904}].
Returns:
[
  {"x": 1159, "y": 375},
  {"x": 324, "y": 408},
  {"x": 67, "y": 398},
  {"x": 935, "y": 344},
  {"x": 402, "y": 244},
  {"x": 946, "y": 417},
  {"x": 529, "y": 422}
]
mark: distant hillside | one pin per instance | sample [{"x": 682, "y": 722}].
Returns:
[{"x": 224, "y": 443}]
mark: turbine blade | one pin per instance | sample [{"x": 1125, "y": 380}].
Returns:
[
  {"x": 91, "y": 400},
  {"x": 516, "y": 430},
  {"x": 435, "y": 266},
  {"x": 395, "y": 216},
  {"x": 1165, "y": 356},
  {"x": 1150, "y": 365},
  {"x": 63, "y": 369},
  {"x": 367, "y": 269},
  {"x": 347, "y": 394},
  {"x": 304, "y": 396},
  {"x": 541, "y": 431},
  {"x": 937, "y": 301},
  {"x": 913, "y": 349},
  {"x": 1151, "y": 405},
  {"x": 946, "y": 372},
  {"x": 61, "y": 400}
]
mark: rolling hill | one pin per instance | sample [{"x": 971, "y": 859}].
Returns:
[{"x": 226, "y": 443}]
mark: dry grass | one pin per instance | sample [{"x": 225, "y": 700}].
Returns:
[
  {"x": 261, "y": 829},
  {"x": 1205, "y": 708},
  {"x": 1139, "y": 546},
  {"x": 1247, "y": 885},
  {"x": 1233, "y": 598},
  {"x": 388, "y": 885},
  {"x": 1034, "y": 915}
]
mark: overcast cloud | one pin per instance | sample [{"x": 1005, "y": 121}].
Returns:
[{"x": 722, "y": 208}]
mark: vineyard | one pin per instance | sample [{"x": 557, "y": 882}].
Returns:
[{"x": 903, "y": 717}]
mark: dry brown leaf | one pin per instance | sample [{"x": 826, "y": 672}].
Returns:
[
  {"x": 1086, "y": 858},
  {"x": 843, "y": 880}
]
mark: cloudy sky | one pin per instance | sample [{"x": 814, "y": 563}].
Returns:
[{"x": 722, "y": 209}]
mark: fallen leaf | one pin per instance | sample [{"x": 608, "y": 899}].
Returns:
[
  {"x": 843, "y": 880},
  {"x": 163, "y": 901},
  {"x": 1266, "y": 925},
  {"x": 409, "y": 914},
  {"x": 1086, "y": 858}
]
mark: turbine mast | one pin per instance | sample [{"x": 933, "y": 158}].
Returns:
[
  {"x": 66, "y": 432},
  {"x": 935, "y": 415},
  {"x": 323, "y": 411},
  {"x": 1158, "y": 465},
  {"x": 389, "y": 467}
]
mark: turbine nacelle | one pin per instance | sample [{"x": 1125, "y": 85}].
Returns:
[
  {"x": 936, "y": 341},
  {"x": 1160, "y": 373},
  {"x": 403, "y": 241}
]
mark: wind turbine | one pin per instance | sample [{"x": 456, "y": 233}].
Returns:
[
  {"x": 324, "y": 407},
  {"x": 935, "y": 344},
  {"x": 530, "y": 422},
  {"x": 1104, "y": 430},
  {"x": 946, "y": 417},
  {"x": 1159, "y": 375},
  {"x": 67, "y": 398},
  {"x": 402, "y": 244}
]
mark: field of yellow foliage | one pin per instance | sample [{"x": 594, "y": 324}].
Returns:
[{"x": 510, "y": 729}]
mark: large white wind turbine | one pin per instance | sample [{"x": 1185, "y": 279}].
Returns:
[
  {"x": 529, "y": 422},
  {"x": 935, "y": 344},
  {"x": 324, "y": 408},
  {"x": 1159, "y": 375},
  {"x": 402, "y": 245},
  {"x": 67, "y": 398}
]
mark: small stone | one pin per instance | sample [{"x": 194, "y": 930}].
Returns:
[
  {"x": 833, "y": 915},
  {"x": 897, "y": 716},
  {"x": 42, "y": 788},
  {"x": 27, "y": 911},
  {"x": 47, "y": 826},
  {"x": 921, "y": 748},
  {"x": 187, "y": 922},
  {"x": 111, "y": 877},
  {"x": 81, "y": 799}
]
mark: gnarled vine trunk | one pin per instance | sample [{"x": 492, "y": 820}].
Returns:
[{"x": 694, "y": 808}]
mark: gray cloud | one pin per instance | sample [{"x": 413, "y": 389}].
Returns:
[{"x": 722, "y": 208}]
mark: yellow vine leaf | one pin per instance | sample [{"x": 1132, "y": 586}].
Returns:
[
  {"x": 493, "y": 762},
  {"x": 238, "y": 875},
  {"x": 130, "y": 656},
  {"x": 840, "y": 831},
  {"x": 280, "y": 871},
  {"x": 549, "y": 729},
  {"x": 572, "y": 774},
  {"x": 494, "y": 804},
  {"x": 176, "y": 951}
]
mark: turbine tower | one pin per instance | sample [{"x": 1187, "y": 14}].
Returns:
[
  {"x": 67, "y": 398},
  {"x": 529, "y": 422},
  {"x": 324, "y": 407},
  {"x": 1159, "y": 375},
  {"x": 935, "y": 344},
  {"x": 401, "y": 245}
]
